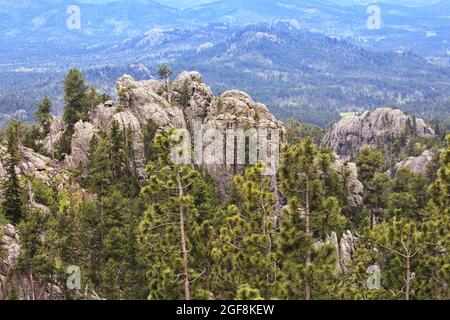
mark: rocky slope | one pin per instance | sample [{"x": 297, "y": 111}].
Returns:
[
  {"x": 25, "y": 287},
  {"x": 354, "y": 133},
  {"x": 417, "y": 164},
  {"x": 31, "y": 164},
  {"x": 141, "y": 101}
]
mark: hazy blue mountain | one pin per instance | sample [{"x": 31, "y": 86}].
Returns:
[
  {"x": 297, "y": 73},
  {"x": 301, "y": 73},
  {"x": 30, "y": 28}
]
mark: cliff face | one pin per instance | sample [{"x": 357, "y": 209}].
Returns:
[
  {"x": 190, "y": 104},
  {"x": 352, "y": 134},
  {"x": 232, "y": 111}
]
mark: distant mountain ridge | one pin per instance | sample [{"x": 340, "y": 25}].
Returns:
[
  {"x": 297, "y": 73},
  {"x": 30, "y": 26}
]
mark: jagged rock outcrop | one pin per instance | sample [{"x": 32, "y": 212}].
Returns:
[
  {"x": 234, "y": 110},
  {"x": 354, "y": 133},
  {"x": 192, "y": 103},
  {"x": 81, "y": 139},
  {"x": 200, "y": 97},
  {"x": 142, "y": 100},
  {"x": 417, "y": 164},
  {"x": 31, "y": 164},
  {"x": 345, "y": 248},
  {"x": 137, "y": 104},
  {"x": 348, "y": 174},
  {"x": 36, "y": 166},
  {"x": 57, "y": 128}
]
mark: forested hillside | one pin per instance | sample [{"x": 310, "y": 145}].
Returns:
[
  {"x": 296, "y": 72},
  {"x": 99, "y": 190}
]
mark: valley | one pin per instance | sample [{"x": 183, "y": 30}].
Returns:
[{"x": 309, "y": 61}]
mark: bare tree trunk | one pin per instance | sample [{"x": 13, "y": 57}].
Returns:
[
  {"x": 32, "y": 287},
  {"x": 408, "y": 275},
  {"x": 168, "y": 89},
  {"x": 187, "y": 295},
  {"x": 308, "y": 232}
]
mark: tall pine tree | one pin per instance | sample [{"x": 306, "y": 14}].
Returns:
[{"x": 13, "y": 205}]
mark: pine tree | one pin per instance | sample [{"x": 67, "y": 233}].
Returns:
[
  {"x": 402, "y": 243},
  {"x": 245, "y": 251},
  {"x": 436, "y": 260},
  {"x": 122, "y": 159},
  {"x": 76, "y": 107},
  {"x": 370, "y": 167},
  {"x": 440, "y": 189},
  {"x": 13, "y": 205},
  {"x": 117, "y": 151},
  {"x": 75, "y": 94},
  {"x": 165, "y": 72},
  {"x": 44, "y": 116},
  {"x": 35, "y": 255},
  {"x": 167, "y": 225},
  {"x": 149, "y": 135},
  {"x": 185, "y": 95},
  {"x": 309, "y": 217},
  {"x": 100, "y": 177}
]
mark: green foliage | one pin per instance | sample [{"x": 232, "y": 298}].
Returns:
[
  {"x": 149, "y": 136},
  {"x": 370, "y": 165},
  {"x": 168, "y": 225},
  {"x": 245, "y": 250},
  {"x": 296, "y": 131},
  {"x": 43, "y": 115},
  {"x": 35, "y": 257},
  {"x": 75, "y": 94},
  {"x": 111, "y": 162},
  {"x": 164, "y": 71},
  {"x": 440, "y": 189},
  {"x": 177, "y": 237},
  {"x": 308, "y": 271},
  {"x": 80, "y": 99},
  {"x": 13, "y": 204},
  {"x": 185, "y": 95},
  {"x": 402, "y": 243}
]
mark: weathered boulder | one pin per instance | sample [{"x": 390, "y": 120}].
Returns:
[
  {"x": 354, "y": 133},
  {"x": 417, "y": 164}
]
